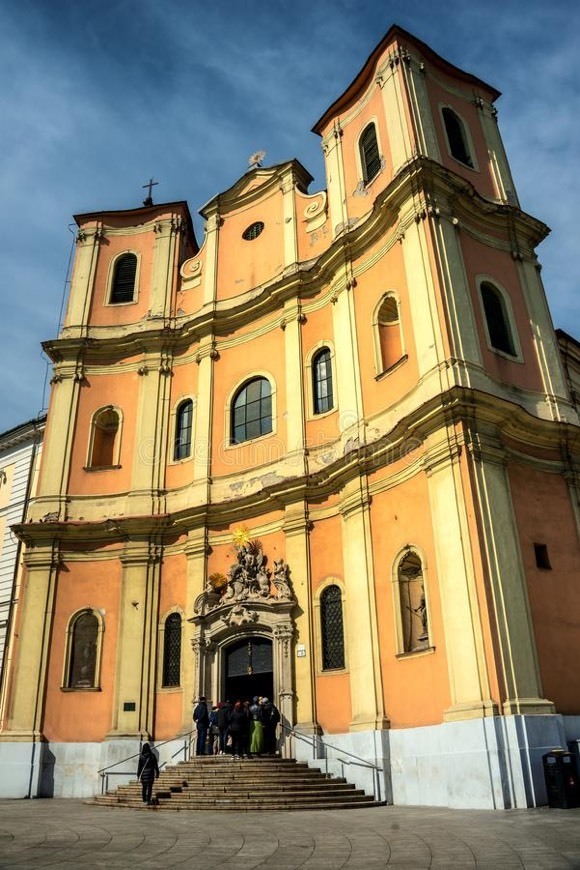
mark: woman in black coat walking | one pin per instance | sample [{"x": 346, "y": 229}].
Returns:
[{"x": 147, "y": 772}]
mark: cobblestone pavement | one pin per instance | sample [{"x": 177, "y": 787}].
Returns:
[{"x": 71, "y": 834}]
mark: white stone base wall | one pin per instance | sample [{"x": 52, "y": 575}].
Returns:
[
  {"x": 72, "y": 769},
  {"x": 493, "y": 763}
]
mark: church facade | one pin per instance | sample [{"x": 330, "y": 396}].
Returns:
[{"x": 330, "y": 456}]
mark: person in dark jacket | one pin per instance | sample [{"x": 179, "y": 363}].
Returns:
[
  {"x": 238, "y": 728},
  {"x": 147, "y": 772},
  {"x": 201, "y": 719},
  {"x": 270, "y": 719},
  {"x": 223, "y": 718}
]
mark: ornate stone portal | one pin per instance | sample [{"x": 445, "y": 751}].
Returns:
[{"x": 251, "y": 601}]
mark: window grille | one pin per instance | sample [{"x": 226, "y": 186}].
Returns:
[
  {"x": 332, "y": 628},
  {"x": 369, "y": 153},
  {"x": 123, "y": 288},
  {"x": 83, "y": 652},
  {"x": 322, "y": 381},
  {"x": 498, "y": 327},
  {"x": 252, "y": 411},
  {"x": 172, "y": 651},
  {"x": 253, "y": 231},
  {"x": 456, "y": 137},
  {"x": 183, "y": 430}
]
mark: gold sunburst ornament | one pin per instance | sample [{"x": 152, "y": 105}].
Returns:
[
  {"x": 241, "y": 536},
  {"x": 218, "y": 581}
]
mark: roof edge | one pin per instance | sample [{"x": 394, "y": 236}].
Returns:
[{"x": 361, "y": 79}]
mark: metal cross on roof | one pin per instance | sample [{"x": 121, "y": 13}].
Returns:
[{"x": 148, "y": 199}]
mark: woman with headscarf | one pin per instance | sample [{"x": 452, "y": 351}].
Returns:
[
  {"x": 147, "y": 772},
  {"x": 256, "y": 730}
]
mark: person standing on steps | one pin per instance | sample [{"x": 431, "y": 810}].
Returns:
[
  {"x": 223, "y": 722},
  {"x": 270, "y": 719},
  {"x": 201, "y": 719},
  {"x": 256, "y": 730},
  {"x": 147, "y": 773},
  {"x": 238, "y": 728}
]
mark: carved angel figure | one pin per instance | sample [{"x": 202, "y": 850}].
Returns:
[{"x": 282, "y": 580}]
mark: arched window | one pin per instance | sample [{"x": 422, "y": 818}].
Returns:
[
  {"x": 456, "y": 136},
  {"x": 183, "y": 429},
  {"x": 369, "y": 153},
  {"x": 123, "y": 284},
  {"x": 331, "y": 628},
  {"x": 172, "y": 651},
  {"x": 322, "y": 381},
  {"x": 389, "y": 333},
  {"x": 412, "y": 603},
  {"x": 497, "y": 320},
  {"x": 252, "y": 411},
  {"x": 82, "y": 651},
  {"x": 104, "y": 439}
]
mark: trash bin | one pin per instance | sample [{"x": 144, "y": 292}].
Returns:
[{"x": 561, "y": 776}]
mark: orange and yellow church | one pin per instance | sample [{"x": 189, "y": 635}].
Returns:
[{"x": 330, "y": 456}]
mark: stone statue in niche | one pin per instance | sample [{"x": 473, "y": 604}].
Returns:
[
  {"x": 247, "y": 579},
  {"x": 414, "y": 618}
]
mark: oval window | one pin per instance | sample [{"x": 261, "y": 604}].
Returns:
[{"x": 253, "y": 231}]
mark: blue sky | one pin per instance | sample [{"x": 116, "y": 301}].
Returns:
[{"x": 97, "y": 97}]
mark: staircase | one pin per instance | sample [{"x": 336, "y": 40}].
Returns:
[{"x": 222, "y": 783}]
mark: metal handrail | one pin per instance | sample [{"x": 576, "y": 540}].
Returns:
[
  {"x": 106, "y": 772},
  {"x": 357, "y": 762}
]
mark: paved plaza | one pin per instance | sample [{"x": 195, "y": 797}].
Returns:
[{"x": 71, "y": 834}]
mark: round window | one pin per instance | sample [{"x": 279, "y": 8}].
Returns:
[{"x": 253, "y": 231}]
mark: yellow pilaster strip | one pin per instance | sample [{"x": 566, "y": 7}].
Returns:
[
  {"x": 515, "y": 630},
  {"x": 196, "y": 553},
  {"x": 83, "y": 278},
  {"x": 134, "y": 701},
  {"x": 468, "y": 675},
  {"x": 28, "y": 679},
  {"x": 296, "y": 529},
  {"x": 204, "y": 415},
  {"x": 332, "y": 147},
  {"x": 164, "y": 261},
  {"x": 361, "y": 612}
]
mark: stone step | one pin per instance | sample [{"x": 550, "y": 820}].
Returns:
[{"x": 221, "y": 783}]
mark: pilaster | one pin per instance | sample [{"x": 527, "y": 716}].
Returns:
[
  {"x": 57, "y": 447},
  {"x": 394, "y": 113},
  {"x": 297, "y": 531},
  {"x": 498, "y": 162},
  {"x": 332, "y": 147},
  {"x": 204, "y": 412},
  {"x": 515, "y": 632},
  {"x": 545, "y": 341},
  {"x": 460, "y": 610},
  {"x": 83, "y": 278},
  {"x": 465, "y": 344},
  {"x": 134, "y": 697},
  {"x": 361, "y": 612},
  {"x": 27, "y": 688},
  {"x": 196, "y": 551},
  {"x": 149, "y": 457},
  {"x": 348, "y": 379},
  {"x": 211, "y": 256},
  {"x": 165, "y": 250},
  {"x": 413, "y": 74},
  {"x": 287, "y": 186},
  {"x": 295, "y": 431},
  {"x": 424, "y": 316}
]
